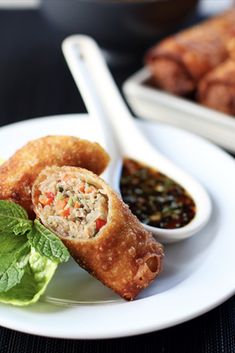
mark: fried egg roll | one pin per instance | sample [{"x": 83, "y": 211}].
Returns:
[
  {"x": 217, "y": 89},
  {"x": 19, "y": 172},
  {"x": 180, "y": 61},
  {"x": 101, "y": 233}
]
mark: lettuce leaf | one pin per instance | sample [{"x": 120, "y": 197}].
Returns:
[
  {"x": 38, "y": 273},
  {"x": 14, "y": 256}
]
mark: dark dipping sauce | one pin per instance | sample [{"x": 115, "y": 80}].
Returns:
[{"x": 154, "y": 198}]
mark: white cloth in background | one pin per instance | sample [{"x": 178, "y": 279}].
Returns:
[{"x": 208, "y": 7}]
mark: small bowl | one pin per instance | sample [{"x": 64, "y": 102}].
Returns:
[{"x": 119, "y": 26}]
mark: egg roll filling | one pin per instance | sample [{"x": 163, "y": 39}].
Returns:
[{"x": 72, "y": 206}]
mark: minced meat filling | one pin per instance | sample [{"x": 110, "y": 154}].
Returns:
[{"x": 71, "y": 206}]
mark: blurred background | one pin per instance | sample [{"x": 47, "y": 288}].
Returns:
[{"x": 34, "y": 78}]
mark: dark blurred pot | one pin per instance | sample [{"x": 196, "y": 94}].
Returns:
[{"x": 128, "y": 26}]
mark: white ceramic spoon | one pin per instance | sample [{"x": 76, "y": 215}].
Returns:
[{"x": 123, "y": 138}]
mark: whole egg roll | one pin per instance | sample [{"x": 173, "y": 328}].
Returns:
[
  {"x": 101, "y": 233},
  {"x": 180, "y": 61},
  {"x": 19, "y": 172},
  {"x": 217, "y": 89}
]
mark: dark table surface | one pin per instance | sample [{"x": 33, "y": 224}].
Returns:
[{"x": 34, "y": 81}]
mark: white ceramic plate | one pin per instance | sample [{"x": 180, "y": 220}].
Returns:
[{"x": 198, "y": 273}]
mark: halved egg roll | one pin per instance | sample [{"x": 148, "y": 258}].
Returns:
[
  {"x": 217, "y": 89},
  {"x": 100, "y": 231},
  {"x": 180, "y": 61},
  {"x": 19, "y": 172}
]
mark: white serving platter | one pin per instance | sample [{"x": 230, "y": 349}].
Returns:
[{"x": 154, "y": 104}]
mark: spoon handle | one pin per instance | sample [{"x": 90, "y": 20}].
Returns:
[
  {"x": 76, "y": 50},
  {"x": 106, "y": 105},
  {"x": 99, "y": 91}
]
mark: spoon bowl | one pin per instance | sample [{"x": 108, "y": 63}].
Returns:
[{"x": 122, "y": 137}]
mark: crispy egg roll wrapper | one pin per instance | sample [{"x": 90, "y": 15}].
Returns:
[
  {"x": 178, "y": 62},
  {"x": 123, "y": 255},
  {"x": 217, "y": 89},
  {"x": 19, "y": 172}
]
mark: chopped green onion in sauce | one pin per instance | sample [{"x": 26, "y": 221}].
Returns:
[{"x": 154, "y": 198}]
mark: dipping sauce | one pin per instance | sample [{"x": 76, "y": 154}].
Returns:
[{"x": 154, "y": 198}]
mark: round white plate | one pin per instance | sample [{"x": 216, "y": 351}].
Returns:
[{"x": 198, "y": 273}]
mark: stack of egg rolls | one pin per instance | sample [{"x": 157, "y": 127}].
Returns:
[
  {"x": 199, "y": 61},
  {"x": 217, "y": 89}
]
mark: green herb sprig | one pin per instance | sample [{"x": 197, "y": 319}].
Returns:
[
  {"x": 21, "y": 242},
  {"x": 47, "y": 243}
]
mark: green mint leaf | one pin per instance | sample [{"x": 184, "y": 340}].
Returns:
[
  {"x": 13, "y": 218},
  {"x": 14, "y": 256},
  {"x": 38, "y": 273},
  {"x": 47, "y": 243}
]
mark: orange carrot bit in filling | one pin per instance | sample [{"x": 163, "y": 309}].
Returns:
[
  {"x": 65, "y": 213},
  {"x": 60, "y": 204},
  {"x": 66, "y": 177},
  {"x": 46, "y": 199},
  {"x": 89, "y": 189},
  {"x": 77, "y": 204},
  {"x": 81, "y": 187}
]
